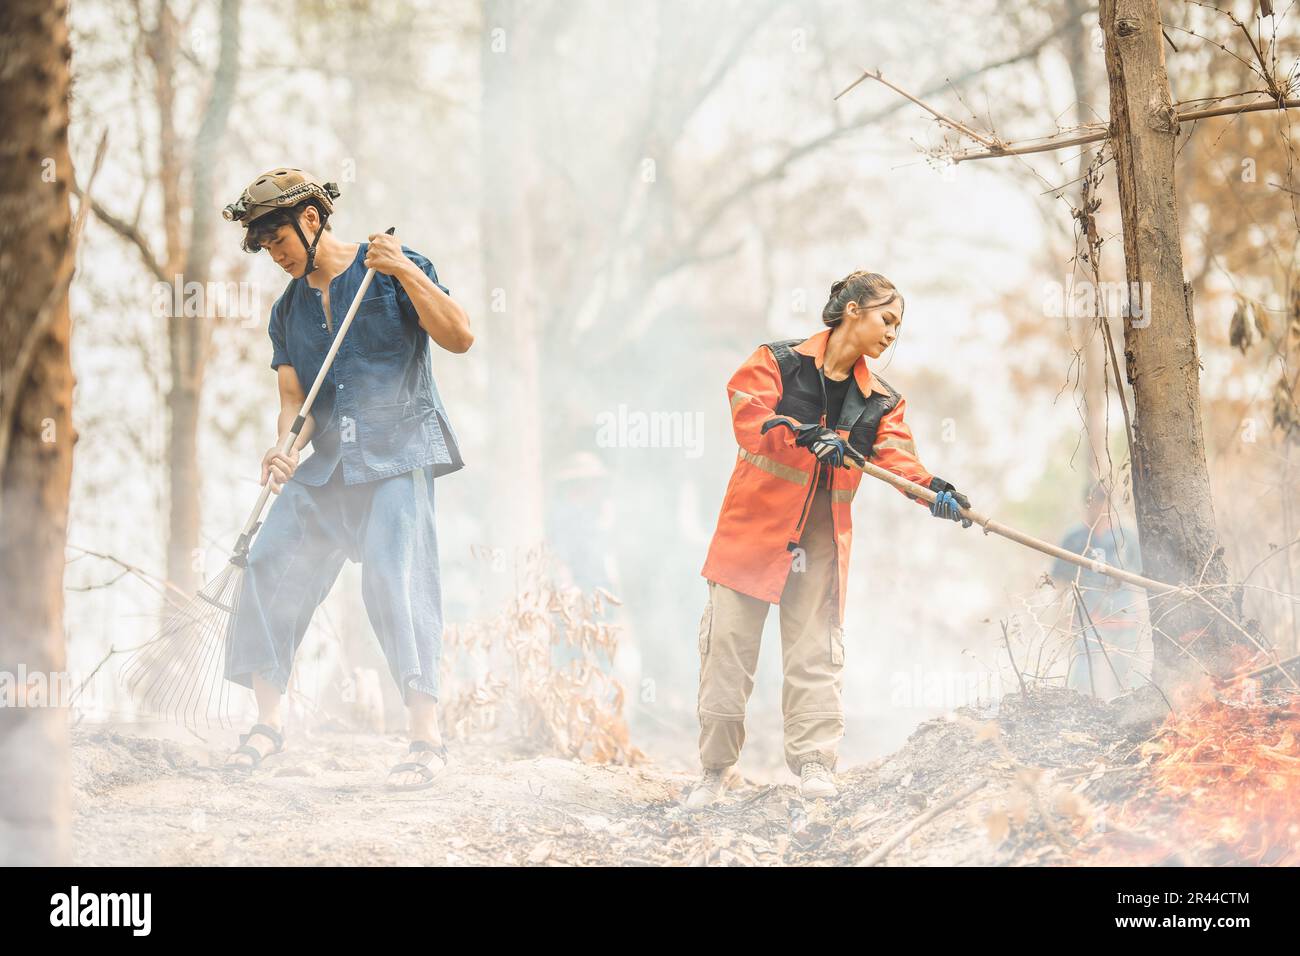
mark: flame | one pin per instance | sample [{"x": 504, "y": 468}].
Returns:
[{"x": 1223, "y": 787}]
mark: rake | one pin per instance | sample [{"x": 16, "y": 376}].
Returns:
[
  {"x": 1181, "y": 591},
  {"x": 854, "y": 459},
  {"x": 180, "y": 673}
]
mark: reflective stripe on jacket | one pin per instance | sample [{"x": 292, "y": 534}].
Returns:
[{"x": 772, "y": 484}]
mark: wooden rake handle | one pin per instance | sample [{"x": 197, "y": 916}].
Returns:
[
  {"x": 250, "y": 526},
  {"x": 996, "y": 527}
]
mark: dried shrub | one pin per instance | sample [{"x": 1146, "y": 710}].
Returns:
[{"x": 540, "y": 670}]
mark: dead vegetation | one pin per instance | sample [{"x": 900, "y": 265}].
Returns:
[
  {"x": 1050, "y": 779},
  {"x": 543, "y": 773},
  {"x": 540, "y": 670}
]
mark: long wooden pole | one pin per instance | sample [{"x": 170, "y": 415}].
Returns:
[
  {"x": 1006, "y": 531},
  {"x": 250, "y": 526},
  {"x": 989, "y": 525},
  {"x": 1100, "y": 567}
]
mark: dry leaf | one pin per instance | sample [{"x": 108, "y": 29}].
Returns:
[
  {"x": 1070, "y": 804},
  {"x": 988, "y": 730},
  {"x": 1028, "y": 776},
  {"x": 1017, "y": 807},
  {"x": 998, "y": 825}
]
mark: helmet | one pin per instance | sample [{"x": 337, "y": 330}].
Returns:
[
  {"x": 283, "y": 188},
  {"x": 277, "y": 189}
]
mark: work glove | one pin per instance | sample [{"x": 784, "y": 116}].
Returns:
[
  {"x": 948, "y": 500},
  {"x": 825, "y": 444}
]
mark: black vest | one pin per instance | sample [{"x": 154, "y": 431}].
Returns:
[{"x": 802, "y": 397}]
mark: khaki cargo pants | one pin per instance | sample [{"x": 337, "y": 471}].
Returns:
[{"x": 812, "y": 654}]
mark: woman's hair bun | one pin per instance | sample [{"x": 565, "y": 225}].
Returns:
[{"x": 865, "y": 288}]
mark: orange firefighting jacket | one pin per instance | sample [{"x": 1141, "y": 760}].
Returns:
[{"x": 771, "y": 489}]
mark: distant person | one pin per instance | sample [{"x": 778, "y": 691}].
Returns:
[
  {"x": 580, "y": 530},
  {"x": 1110, "y": 670},
  {"x": 578, "y": 522},
  {"x": 784, "y": 533}
]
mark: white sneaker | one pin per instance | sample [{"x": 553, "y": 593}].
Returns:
[
  {"x": 815, "y": 781},
  {"x": 710, "y": 788}
]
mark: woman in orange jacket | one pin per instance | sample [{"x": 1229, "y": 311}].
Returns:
[{"x": 784, "y": 532}]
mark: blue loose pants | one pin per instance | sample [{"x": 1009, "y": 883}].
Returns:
[{"x": 388, "y": 526}]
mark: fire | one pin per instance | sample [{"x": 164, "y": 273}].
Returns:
[{"x": 1223, "y": 787}]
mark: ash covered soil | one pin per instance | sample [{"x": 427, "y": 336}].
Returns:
[{"x": 1044, "y": 769}]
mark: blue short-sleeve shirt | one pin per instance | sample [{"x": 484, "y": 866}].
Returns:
[
  {"x": 1110, "y": 546},
  {"x": 378, "y": 412}
]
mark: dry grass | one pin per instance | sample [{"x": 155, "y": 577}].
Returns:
[{"x": 540, "y": 670}]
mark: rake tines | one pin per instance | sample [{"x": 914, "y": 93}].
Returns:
[{"x": 180, "y": 674}]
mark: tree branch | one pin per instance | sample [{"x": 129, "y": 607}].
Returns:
[
  {"x": 993, "y": 144},
  {"x": 128, "y": 232},
  {"x": 1186, "y": 117},
  {"x": 778, "y": 168}
]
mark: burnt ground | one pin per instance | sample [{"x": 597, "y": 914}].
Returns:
[{"x": 1050, "y": 768}]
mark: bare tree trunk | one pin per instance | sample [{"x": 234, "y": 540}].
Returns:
[
  {"x": 37, "y": 471},
  {"x": 184, "y": 351},
  {"x": 1171, "y": 482},
  {"x": 1078, "y": 50},
  {"x": 509, "y": 279},
  {"x": 189, "y": 337}
]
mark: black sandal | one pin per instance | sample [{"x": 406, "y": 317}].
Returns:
[
  {"x": 429, "y": 774},
  {"x": 252, "y": 752}
]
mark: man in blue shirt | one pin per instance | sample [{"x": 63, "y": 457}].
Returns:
[
  {"x": 380, "y": 436},
  {"x": 1114, "y": 665}
]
